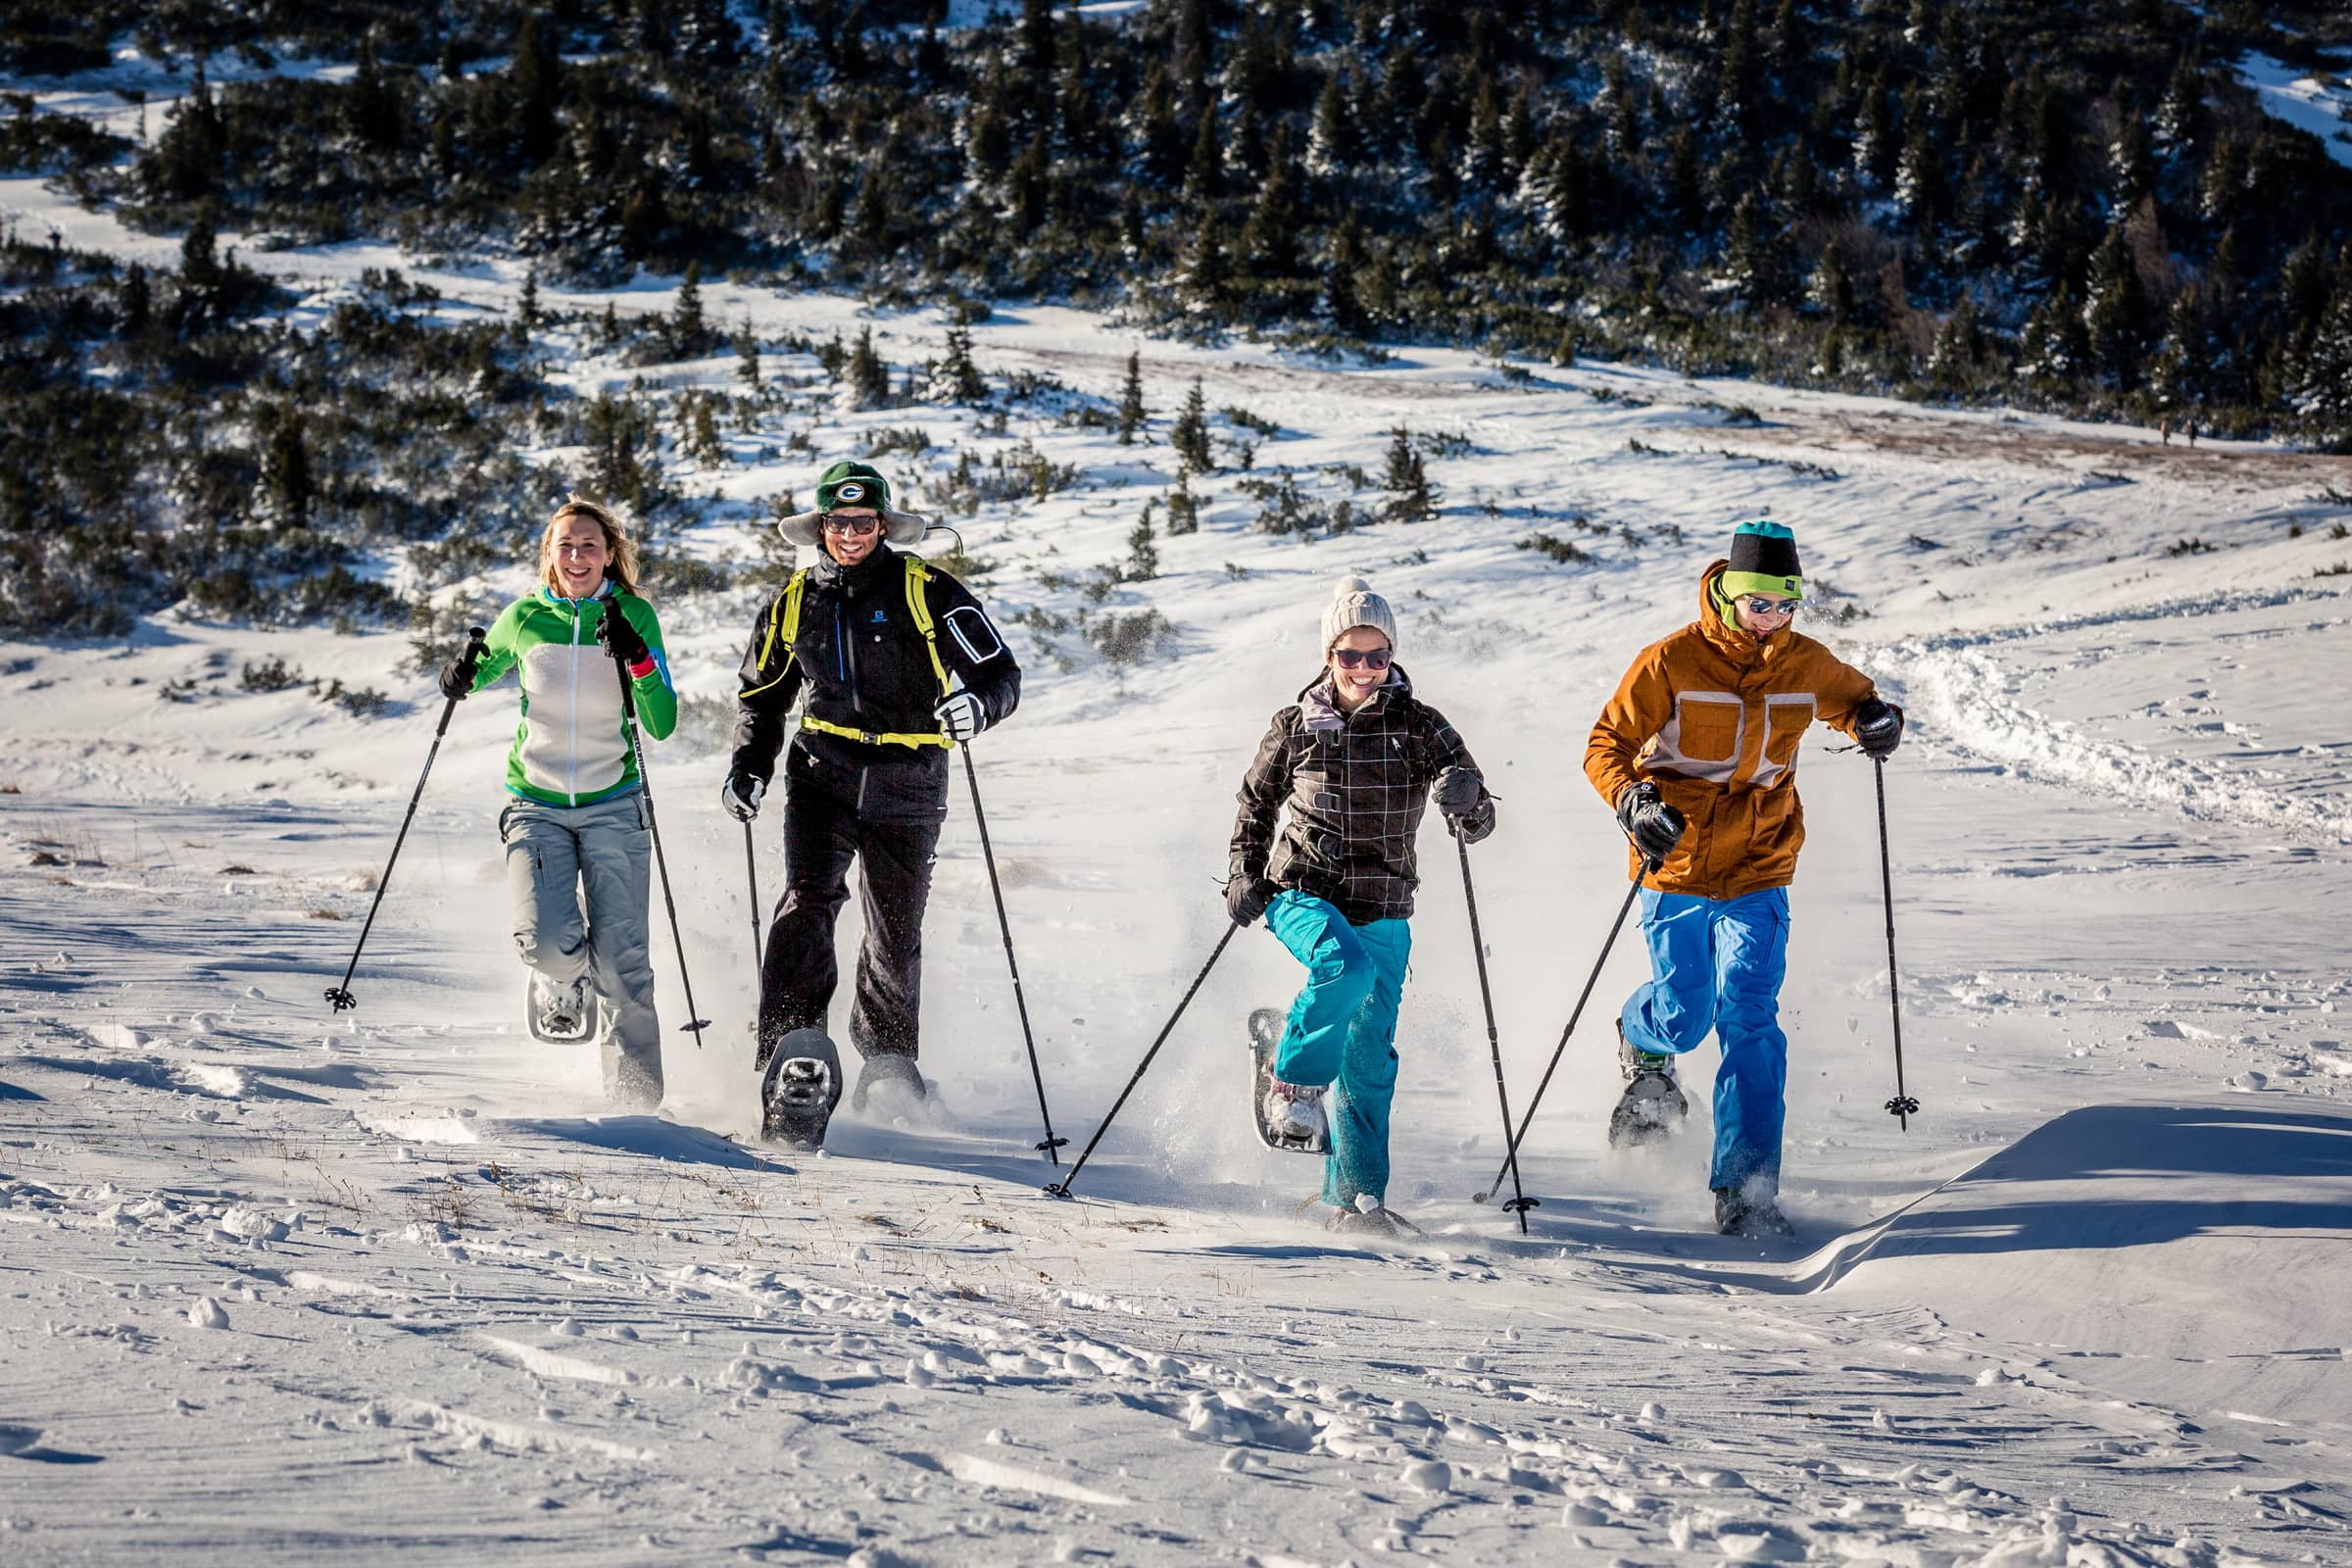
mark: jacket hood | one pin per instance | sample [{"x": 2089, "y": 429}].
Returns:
[{"x": 1745, "y": 647}]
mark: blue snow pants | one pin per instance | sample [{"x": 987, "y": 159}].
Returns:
[
  {"x": 1717, "y": 963},
  {"x": 1342, "y": 1031}
]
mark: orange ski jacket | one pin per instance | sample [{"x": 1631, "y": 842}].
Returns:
[{"x": 1712, "y": 715}]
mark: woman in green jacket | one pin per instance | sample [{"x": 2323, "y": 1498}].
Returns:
[{"x": 578, "y": 851}]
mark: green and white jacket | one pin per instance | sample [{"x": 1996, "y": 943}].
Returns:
[{"x": 571, "y": 748}]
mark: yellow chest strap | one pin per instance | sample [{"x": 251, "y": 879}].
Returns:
[{"x": 784, "y": 625}]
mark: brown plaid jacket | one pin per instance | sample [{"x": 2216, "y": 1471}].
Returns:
[{"x": 1355, "y": 785}]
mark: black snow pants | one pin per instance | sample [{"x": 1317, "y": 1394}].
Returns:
[{"x": 823, "y": 835}]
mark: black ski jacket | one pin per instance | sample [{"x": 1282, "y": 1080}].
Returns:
[
  {"x": 860, "y": 659},
  {"x": 1356, "y": 785}
]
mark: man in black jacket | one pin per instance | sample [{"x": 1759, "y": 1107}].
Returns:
[{"x": 897, "y": 662}]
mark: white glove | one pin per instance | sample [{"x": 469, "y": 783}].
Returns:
[
  {"x": 740, "y": 796},
  {"x": 960, "y": 715}
]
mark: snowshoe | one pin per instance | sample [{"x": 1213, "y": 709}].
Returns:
[
  {"x": 1652, "y": 1106},
  {"x": 1265, "y": 1033},
  {"x": 799, "y": 1089},
  {"x": 1755, "y": 1219},
  {"x": 1371, "y": 1219},
  {"x": 559, "y": 1016},
  {"x": 894, "y": 1075}
]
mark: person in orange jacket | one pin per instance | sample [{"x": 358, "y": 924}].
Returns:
[{"x": 1697, "y": 754}]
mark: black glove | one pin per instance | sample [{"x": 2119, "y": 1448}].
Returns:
[
  {"x": 1458, "y": 791},
  {"x": 1246, "y": 896},
  {"x": 1461, "y": 795},
  {"x": 1877, "y": 729},
  {"x": 1654, "y": 826},
  {"x": 740, "y": 796},
  {"x": 457, "y": 678},
  {"x": 620, "y": 639}
]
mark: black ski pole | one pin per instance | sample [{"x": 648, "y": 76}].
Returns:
[
  {"x": 1511, "y": 1153},
  {"x": 751, "y": 870},
  {"x": 1061, "y": 1187},
  {"x": 695, "y": 1024},
  {"x": 1519, "y": 1202},
  {"x": 1902, "y": 1106},
  {"x": 341, "y": 995},
  {"x": 971, "y": 776}
]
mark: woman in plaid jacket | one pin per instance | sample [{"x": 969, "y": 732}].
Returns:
[{"x": 1355, "y": 759}]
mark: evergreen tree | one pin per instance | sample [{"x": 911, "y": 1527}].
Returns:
[
  {"x": 1205, "y": 173},
  {"x": 2179, "y": 373},
  {"x": 537, "y": 89},
  {"x": 866, "y": 376},
  {"x": 1343, "y": 263},
  {"x": 1269, "y": 240},
  {"x": 965, "y": 383},
  {"x": 288, "y": 491},
  {"x": 2054, "y": 348},
  {"x": 2320, "y": 388},
  {"x": 1131, "y": 399},
  {"x": 2113, "y": 312},
  {"x": 747, "y": 355},
  {"x": 1188, "y": 436},
  {"x": 1330, "y": 145},
  {"x": 1206, "y": 273},
  {"x": 526, "y": 302},
  {"x": 1752, "y": 261},
  {"x": 1918, "y": 193},
  {"x": 623, "y": 469},
  {"x": 689, "y": 334},
  {"x": 1411, "y": 497},
  {"x": 1142, "y": 556},
  {"x": 1959, "y": 346},
  {"x": 1184, "y": 511},
  {"x": 1152, "y": 131}
]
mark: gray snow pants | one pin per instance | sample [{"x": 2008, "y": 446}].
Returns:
[{"x": 579, "y": 881}]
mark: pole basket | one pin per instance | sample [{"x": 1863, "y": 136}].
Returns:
[
  {"x": 341, "y": 998},
  {"x": 1902, "y": 1105}
]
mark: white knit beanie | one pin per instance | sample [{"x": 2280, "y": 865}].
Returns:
[{"x": 1353, "y": 604}]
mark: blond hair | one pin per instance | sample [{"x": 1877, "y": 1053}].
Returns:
[{"x": 621, "y": 569}]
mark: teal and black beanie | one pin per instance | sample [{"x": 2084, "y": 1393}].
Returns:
[
  {"x": 853, "y": 484},
  {"x": 1763, "y": 561}
]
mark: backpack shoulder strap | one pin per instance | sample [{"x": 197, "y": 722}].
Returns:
[
  {"x": 783, "y": 627},
  {"x": 919, "y": 605}
]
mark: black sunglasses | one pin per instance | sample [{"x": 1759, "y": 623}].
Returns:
[{"x": 1370, "y": 658}]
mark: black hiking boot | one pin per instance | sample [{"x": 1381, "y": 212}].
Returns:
[{"x": 1755, "y": 1219}]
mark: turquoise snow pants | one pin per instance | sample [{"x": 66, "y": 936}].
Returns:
[
  {"x": 1717, "y": 964},
  {"x": 1343, "y": 1032}
]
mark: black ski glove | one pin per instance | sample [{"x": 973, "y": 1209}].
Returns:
[
  {"x": 1461, "y": 795},
  {"x": 457, "y": 678},
  {"x": 620, "y": 639},
  {"x": 740, "y": 796},
  {"x": 1877, "y": 729},
  {"x": 1246, "y": 896},
  {"x": 1654, "y": 826}
]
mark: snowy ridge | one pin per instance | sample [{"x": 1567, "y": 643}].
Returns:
[{"x": 1962, "y": 696}]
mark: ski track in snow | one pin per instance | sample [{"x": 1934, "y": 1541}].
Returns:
[{"x": 280, "y": 1286}]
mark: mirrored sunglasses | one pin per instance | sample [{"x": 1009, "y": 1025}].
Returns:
[{"x": 1765, "y": 605}]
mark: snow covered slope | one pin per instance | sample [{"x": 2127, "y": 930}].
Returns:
[{"x": 283, "y": 1286}]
